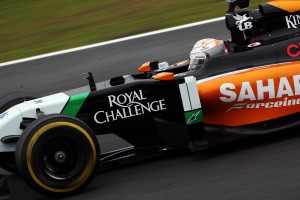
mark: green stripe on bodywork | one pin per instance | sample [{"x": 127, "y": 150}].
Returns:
[{"x": 74, "y": 104}]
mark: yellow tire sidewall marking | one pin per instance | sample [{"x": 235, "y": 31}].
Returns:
[{"x": 83, "y": 177}]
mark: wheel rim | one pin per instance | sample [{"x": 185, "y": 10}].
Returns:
[
  {"x": 50, "y": 140},
  {"x": 61, "y": 160}
]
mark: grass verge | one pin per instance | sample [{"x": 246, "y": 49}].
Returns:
[{"x": 34, "y": 27}]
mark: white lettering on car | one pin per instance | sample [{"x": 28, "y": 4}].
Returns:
[
  {"x": 292, "y": 21},
  {"x": 241, "y": 22},
  {"x": 128, "y": 105},
  {"x": 228, "y": 90},
  {"x": 246, "y": 95}
]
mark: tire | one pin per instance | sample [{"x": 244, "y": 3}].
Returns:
[
  {"x": 7, "y": 160},
  {"x": 57, "y": 155},
  {"x": 15, "y": 98}
]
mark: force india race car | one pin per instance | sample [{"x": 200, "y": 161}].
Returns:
[{"x": 254, "y": 89}]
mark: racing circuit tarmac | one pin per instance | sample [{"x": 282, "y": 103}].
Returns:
[{"x": 266, "y": 167}]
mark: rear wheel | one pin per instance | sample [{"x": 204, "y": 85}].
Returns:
[
  {"x": 57, "y": 155},
  {"x": 7, "y": 160}
]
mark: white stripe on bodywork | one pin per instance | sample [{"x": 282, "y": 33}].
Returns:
[
  {"x": 185, "y": 97},
  {"x": 49, "y": 105},
  {"x": 9, "y": 125},
  {"x": 189, "y": 94},
  {"x": 193, "y": 92},
  {"x": 10, "y": 121}
]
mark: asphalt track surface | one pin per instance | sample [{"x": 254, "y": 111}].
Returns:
[{"x": 266, "y": 167}]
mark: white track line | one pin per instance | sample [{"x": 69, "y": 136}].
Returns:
[{"x": 111, "y": 41}]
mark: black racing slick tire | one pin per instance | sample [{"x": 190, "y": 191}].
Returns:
[
  {"x": 57, "y": 155},
  {"x": 7, "y": 159},
  {"x": 13, "y": 99}
]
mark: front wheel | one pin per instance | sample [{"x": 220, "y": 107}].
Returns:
[{"x": 57, "y": 155}]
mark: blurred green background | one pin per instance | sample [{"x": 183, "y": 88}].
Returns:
[{"x": 33, "y": 27}]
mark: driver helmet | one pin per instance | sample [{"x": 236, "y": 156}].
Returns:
[{"x": 204, "y": 49}]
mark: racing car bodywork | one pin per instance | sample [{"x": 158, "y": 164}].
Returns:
[{"x": 254, "y": 89}]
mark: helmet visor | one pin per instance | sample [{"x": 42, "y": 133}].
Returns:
[
  {"x": 196, "y": 60},
  {"x": 195, "y": 63}
]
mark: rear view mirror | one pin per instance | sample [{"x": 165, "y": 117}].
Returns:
[
  {"x": 164, "y": 76},
  {"x": 149, "y": 66}
]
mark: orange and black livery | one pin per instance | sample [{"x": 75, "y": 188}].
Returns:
[{"x": 252, "y": 88}]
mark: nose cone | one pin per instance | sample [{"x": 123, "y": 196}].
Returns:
[{"x": 10, "y": 125}]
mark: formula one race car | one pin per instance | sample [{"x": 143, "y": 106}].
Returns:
[{"x": 253, "y": 89}]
